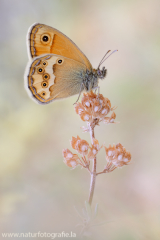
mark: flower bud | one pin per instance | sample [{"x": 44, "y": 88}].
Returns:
[
  {"x": 80, "y": 145},
  {"x": 70, "y": 159}
]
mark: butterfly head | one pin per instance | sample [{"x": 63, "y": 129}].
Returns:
[{"x": 101, "y": 73}]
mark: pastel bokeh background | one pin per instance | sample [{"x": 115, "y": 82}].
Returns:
[{"x": 38, "y": 191}]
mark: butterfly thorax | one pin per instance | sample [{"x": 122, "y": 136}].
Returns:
[{"x": 91, "y": 78}]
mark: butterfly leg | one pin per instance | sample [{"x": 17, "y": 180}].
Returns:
[
  {"x": 98, "y": 94},
  {"x": 79, "y": 93},
  {"x": 96, "y": 90}
]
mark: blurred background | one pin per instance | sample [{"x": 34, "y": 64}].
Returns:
[{"x": 38, "y": 191}]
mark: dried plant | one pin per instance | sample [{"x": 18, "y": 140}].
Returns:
[{"x": 94, "y": 109}]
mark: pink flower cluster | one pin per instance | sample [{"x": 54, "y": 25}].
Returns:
[
  {"x": 117, "y": 155},
  {"x": 82, "y": 146},
  {"x": 94, "y": 107}
]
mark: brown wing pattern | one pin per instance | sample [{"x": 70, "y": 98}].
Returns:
[
  {"x": 43, "y": 39},
  {"x": 52, "y": 76}
]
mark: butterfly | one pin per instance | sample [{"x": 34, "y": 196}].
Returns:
[{"x": 57, "y": 68}]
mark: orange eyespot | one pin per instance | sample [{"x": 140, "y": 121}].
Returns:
[
  {"x": 44, "y": 84},
  {"x": 46, "y": 76},
  {"x": 59, "y": 61},
  {"x": 44, "y": 63},
  {"x": 45, "y": 38},
  {"x": 40, "y": 70},
  {"x": 42, "y": 94}
]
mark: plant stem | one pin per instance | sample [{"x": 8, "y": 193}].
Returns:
[
  {"x": 93, "y": 174},
  {"x": 92, "y": 183}
]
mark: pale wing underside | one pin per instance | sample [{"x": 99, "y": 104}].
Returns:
[{"x": 50, "y": 77}]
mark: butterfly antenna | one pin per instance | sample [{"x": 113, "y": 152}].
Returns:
[{"x": 103, "y": 60}]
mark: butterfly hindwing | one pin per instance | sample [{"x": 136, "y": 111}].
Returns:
[{"x": 50, "y": 77}]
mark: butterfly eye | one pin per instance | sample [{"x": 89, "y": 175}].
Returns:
[
  {"x": 40, "y": 70},
  {"x": 98, "y": 72},
  {"x": 44, "y": 84},
  {"x": 59, "y": 61},
  {"x": 45, "y": 38},
  {"x": 46, "y": 76},
  {"x": 45, "y": 63}
]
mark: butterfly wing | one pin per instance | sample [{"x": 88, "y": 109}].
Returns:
[
  {"x": 43, "y": 39},
  {"x": 50, "y": 77}
]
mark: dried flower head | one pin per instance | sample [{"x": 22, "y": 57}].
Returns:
[
  {"x": 110, "y": 119},
  {"x": 94, "y": 150},
  {"x": 117, "y": 155},
  {"x": 94, "y": 108},
  {"x": 80, "y": 145},
  {"x": 70, "y": 159}
]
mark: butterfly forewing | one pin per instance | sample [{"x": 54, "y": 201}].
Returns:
[{"x": 43, "y": 39}]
